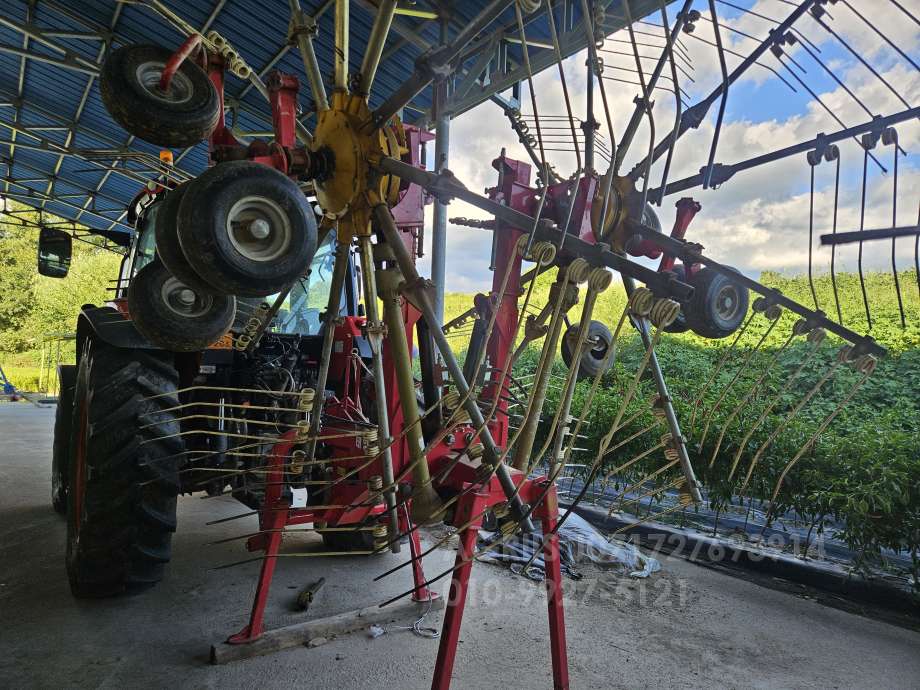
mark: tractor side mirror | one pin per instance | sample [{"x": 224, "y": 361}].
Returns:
[{"x": 54, "y": 250}]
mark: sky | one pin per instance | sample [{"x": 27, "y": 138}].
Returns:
[{"x": 759, "y": 219}]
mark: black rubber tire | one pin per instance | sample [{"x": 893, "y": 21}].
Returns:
[
  {"x": 358, "y": 540},
  {"x": 206, "y": 243},
  {"x": 707, "y": 313},
  {"x": 60, "y": 454},
  {"x": 592, "y": 357},
  {"x": 167, "y": 241},
  {"x": 680, "y": 323},
  {"x": 166, "y": 326},
  {"x": 124, "y": 476},
  {"x": 151, "y": 117}
]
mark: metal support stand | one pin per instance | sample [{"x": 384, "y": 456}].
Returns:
[
  {"x": 470, "y": 509},
  {"x": 271, "y": 523},
  {"x": 276, "y": 514},
  {"x": 439, "y": 220}
]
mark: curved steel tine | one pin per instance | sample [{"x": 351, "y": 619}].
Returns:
[
  {"x": 812, "y": 163},
  {"x": 867, "y": 143},
  {"x": 816, "y": 13},
  {"x": 917, "y": 253},
  {"x": 835, "y": 152},
  {"x": 890, "y": 136},
  {"x": 544, "y": 166}
]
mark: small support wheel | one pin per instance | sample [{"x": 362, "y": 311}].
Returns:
[
  {"x": 247, "y": 229},
  {"x": 593, "y": 353},
  {"x": 174, "y": 316},
  {"x": 167, "y": 241},
  {"x": 718, "y": 306},
  {"x": 182, "y": 115}
]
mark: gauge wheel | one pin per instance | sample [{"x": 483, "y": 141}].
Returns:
[
  {"x": 182, "y": 115},
  {"x": 593, "y": 358},
  {"x": 247, "y": 229},
  {"x": 718, "y": 306},
  {"x": 172, "y": 315}
]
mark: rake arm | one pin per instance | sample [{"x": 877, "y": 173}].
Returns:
[{"x": 445, "y": 186}]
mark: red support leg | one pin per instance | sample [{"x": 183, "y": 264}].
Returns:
[
  {"x": 553, "y": 582},
  {"x": 272, "y": 520},
  {"x": 421, "y": 593},
  {"x": 470, "y": 505},
  {"x": 255, "y": 626}
]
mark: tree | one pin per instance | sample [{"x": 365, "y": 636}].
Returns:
[{"x": 32, "y": 305}]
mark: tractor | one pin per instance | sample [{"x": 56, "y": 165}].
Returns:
[
  {"x": 179, "y": 387},
  {"x": 137, "y": 424}
]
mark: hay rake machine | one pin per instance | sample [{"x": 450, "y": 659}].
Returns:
[{"x": 324, "y": 428}]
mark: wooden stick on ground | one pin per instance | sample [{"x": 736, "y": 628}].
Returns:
[{"x": 301, "y": 634}]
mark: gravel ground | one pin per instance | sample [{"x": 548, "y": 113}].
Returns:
[{"x": 687, "y": 627}]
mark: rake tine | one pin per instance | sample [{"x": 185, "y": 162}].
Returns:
[
  {"x": 835, "y": 153},
  {"x": 812, "y": 163},
  {"x": 890, "y": 137},
  {"x": 868, "y": 141}
]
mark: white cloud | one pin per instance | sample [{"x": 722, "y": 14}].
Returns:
[{"x": 759, "y": 219}]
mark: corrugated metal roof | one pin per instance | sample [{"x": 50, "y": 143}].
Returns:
[{"x": 44, "y": 103}]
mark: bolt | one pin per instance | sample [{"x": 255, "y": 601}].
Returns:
[
  {"x": 186, "y": 296},
  {"x": 260, "y": 228}
]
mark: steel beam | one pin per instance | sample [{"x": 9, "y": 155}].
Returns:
[
  {"x": 439, "y": 215},
  {"x": 721, "y": 173}
]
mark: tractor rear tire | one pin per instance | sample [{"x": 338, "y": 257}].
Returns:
[
  {"x": 60, "y": 454},
  {"x": 247, "y": 229},
  {"x": 124, "y": 470},
  {"x": 184, "y": 115}
]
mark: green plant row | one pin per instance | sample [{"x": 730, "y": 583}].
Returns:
[{"x": 862, "y": 474}]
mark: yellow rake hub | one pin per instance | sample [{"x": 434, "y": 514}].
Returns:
[
  {"x": 344, "y": 137},
  {"x": 612, "y": 230}
]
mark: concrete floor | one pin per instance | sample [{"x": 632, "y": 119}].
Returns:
[{"x": 688, "y": 627}]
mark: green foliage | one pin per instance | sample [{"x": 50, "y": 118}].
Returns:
[
  {"x": 33, "y": 306},
  {"x": 863, "y": 472}
]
